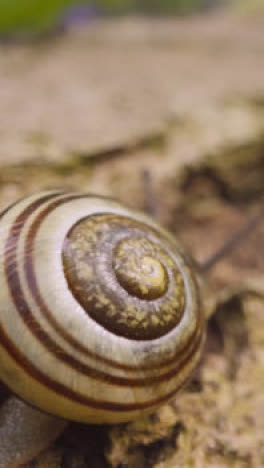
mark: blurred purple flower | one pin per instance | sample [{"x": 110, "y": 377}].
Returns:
[{"x": 78, "y": 15}]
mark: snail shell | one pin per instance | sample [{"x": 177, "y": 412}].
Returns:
[{"x": 100, "y": 318}]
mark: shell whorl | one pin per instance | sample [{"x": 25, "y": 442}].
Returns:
[
  {"x": 123, "y": 277},
  {"x": 100, "y": 316}
]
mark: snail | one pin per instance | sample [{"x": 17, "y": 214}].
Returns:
[{"x": 100, "y": 317}]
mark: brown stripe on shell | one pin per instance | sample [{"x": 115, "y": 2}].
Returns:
[
  {"x": 34, "y": 326},
  {"x": 61, "y": 355},
  {"x": 12, "y": 205},
  {"x": 29, "y": 320},
  {"x": 6, "y": 210},
  {"x": 31, "y": 278},
  {"x": 60, "y": 389},
  {"x": 23, "y": 308}
]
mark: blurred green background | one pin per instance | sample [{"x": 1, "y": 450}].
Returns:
[
  {"x": 37, "y": 16},
  {"x": 18, "y": 16}
]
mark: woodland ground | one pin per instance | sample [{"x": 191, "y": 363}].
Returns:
[{"x": 184, "y": 99}]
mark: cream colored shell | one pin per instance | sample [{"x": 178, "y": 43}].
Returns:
[{"x": 52, "y": 353}]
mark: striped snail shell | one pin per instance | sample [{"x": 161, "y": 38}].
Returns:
[{"x": 100, "y": 318}]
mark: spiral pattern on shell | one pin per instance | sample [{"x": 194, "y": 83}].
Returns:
[{"x": 100, "y": 317}]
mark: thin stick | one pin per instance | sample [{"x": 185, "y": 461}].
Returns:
[
  {"x": 150, "y": 202},
  {"x": 233, "y": 242}
]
